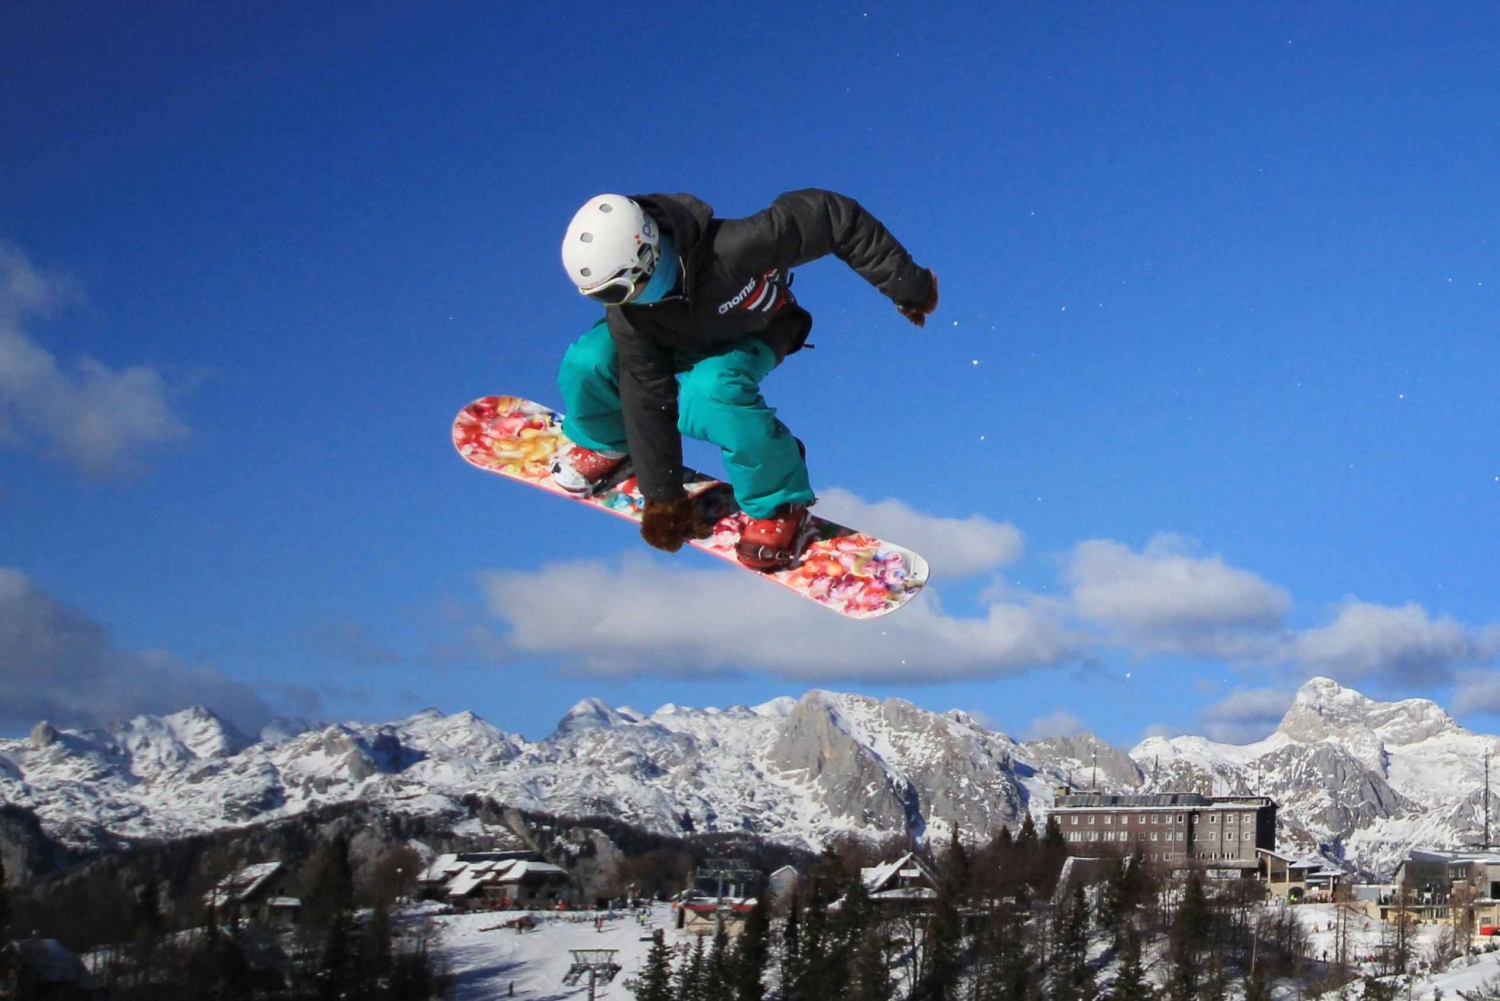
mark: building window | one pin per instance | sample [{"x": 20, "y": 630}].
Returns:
[
  {"x": 1229, "y": 819},
  {"x": 1179, "y": 835},
  {"x": 1093, "y": 835},
  {"x": 1213, "y": 818},
  {"x": 1153, "y": 835},
  {"x": 1109, "y": 818},
  {"x": 1156, "y": 818},
  {"x": 1228, "y": 835},
  {"x": 1075, "y": 820},
  {"x": 1179, "y": 818},
  {"x": 1092, "y": 818},
  {"x": 1249, "y": 817}
]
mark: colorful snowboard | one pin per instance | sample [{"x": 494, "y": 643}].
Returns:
[{"x": 853, "y": 573}]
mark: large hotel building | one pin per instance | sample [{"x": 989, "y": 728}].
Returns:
[{"x": 1183, "y": 830}]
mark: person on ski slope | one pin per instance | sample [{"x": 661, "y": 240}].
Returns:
[{"x": 698, "y": 311}]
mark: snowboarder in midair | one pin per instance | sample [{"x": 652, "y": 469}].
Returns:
[{"x": 699, "y": 310}]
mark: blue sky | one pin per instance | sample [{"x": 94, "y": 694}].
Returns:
[{"x": 1213, "y": 380}]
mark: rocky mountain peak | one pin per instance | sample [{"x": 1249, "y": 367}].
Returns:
[
  {"x": 1323, "y": 709},
  {"x": 590, "y": 713},
  {"x": 43, "y": 735}
]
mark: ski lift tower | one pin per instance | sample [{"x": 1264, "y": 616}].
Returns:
[{"x": 598, "y": 964}]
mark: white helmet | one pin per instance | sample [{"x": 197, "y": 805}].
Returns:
[{"x": 611, "y": 244}]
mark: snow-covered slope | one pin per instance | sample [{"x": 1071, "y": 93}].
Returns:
[{"x": 1372, "y": 777}]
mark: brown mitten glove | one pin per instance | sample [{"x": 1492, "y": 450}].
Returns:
[
  {"x": 918, "y": 314},
  {"x": 668, "y": 524}
]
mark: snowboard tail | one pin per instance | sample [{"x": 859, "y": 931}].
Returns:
[{"x": 842, "y": 569}]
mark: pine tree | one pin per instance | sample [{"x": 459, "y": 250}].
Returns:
[
  {"x": 751, "y": 952},
  {"x": 690, "y": 975},
  {"x": 1027, "y": 839},
  {"x": 943, "y": 935},
  {"x": 1111, "y": 911},
  {"x": 655, "y": 982},
  {"x": 1052, "y": 836},
  {"x": 1016, "y": 967},
  {"x": 329, "y": 877},
  {"x": 1130, "y": 983},
  {"x": 375, "y": 951},
  {"x": 870, "y": 972},
  {"x": 818, "y": 947},
  {"x": 337, "y": 967},
  {"x": 791, "y": 944},
  {"x": 1188, "y": 936},
  {"x": 1073, "y": 978},
  {"x": 1054, "y": 855},
  {"x": 717, "y": 979}
]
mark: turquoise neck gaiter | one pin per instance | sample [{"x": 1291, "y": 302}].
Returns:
[{"x": 663, "y": 276}]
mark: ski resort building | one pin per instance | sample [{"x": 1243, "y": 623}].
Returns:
[
  {"x": 1434, "y": 885},
  {"x": 902, "y": 884},
  {"x": 487, "y": 880},
  {"x": 1298, "y": 878},
  {"x": 707, "y": 916},
  {"x": 782, "y": 884},
  {"x": 267, "y": 894},
  {"x": 1182, "y": 830}
]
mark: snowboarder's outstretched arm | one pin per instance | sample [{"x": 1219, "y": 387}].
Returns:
[{"x": 802, "y": 226}]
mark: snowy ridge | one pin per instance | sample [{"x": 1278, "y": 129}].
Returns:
[
  {"x": 1362, "y": 779},
  {"x": 1355, "y": 777}
]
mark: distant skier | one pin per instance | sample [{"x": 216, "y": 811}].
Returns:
[{"x": 698, "y": 311}]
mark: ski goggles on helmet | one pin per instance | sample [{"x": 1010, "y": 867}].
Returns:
[{"x": 619, "y": 287}]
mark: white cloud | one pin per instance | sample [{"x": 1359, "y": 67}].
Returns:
[
  {"x": 1477, "y": 692},
  {"x": 1404, "y": 645},
  {"x": 1058, "y": 723},
  {"x": 1245, "y": 714},
  {"x": 1166, "y": 598},
  {"x": 58, "y": 664},
  {"x": 95, "y": 418},
  {"x": 955, "y": 547},
  {"x": 638, "y": 615}
]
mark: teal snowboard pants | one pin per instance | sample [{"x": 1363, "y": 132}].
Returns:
[{"x": 718, "y": 401}]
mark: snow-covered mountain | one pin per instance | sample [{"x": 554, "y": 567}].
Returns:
[{"x": 1371, "y": 777}]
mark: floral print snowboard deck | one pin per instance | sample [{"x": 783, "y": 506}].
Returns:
[{"x": 853, "y": 573}]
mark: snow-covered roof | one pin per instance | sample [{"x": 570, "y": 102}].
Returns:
[
  {"x": 908, "y": 866},
  {"x": 284, "y": 902},
  {"x": 519, "y": 870},
  {"x": 464, "y": 883},
  {"x": 441, "y": 868},
  {"x": 242, "y": 883}
]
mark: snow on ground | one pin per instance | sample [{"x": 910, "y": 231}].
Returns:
[
  {"x": 485, "y": 958},
  {"x": 1468, "y": 974}
]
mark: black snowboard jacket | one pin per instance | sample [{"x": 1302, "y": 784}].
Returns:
[{"x": 736, "y": 282}]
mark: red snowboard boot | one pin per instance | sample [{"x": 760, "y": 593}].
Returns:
[
  {"x": 580, "y": 470},
  {"x": 770, "y": 544}
]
